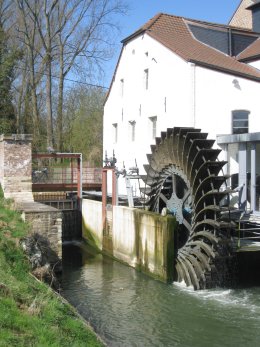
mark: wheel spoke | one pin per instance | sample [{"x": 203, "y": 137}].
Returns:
[
  {"x": 163, "y": 197},
  {"x": 187, "y": 224},
  {"x": 187, "y": 194},
  {"x": 185, "y": 187}
]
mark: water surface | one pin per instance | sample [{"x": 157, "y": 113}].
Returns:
[{"x": 127, "y": 308}]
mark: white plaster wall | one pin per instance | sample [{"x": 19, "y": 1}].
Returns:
[
  {"x": 217, "y": 94},
  {"x": 168, "y": 75},
  {"x": 256, "y": 64},
  {"x": 195, "y": 96}
]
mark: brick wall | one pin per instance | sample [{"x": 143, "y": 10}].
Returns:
[
  {"x": 242, "y": 17},
  {"x": 16, "y": 166},
  {"x": 46, "y": 221}
]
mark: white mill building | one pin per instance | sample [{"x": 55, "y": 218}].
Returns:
[{"x": 180, "y": 72}]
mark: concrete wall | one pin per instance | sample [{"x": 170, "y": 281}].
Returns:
[{"x": 141, "y": 239}]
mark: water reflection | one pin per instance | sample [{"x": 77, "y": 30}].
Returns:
[{"x": 127, "y": 308}]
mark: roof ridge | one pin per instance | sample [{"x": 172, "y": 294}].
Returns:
[{"x": 151, "y": 21}]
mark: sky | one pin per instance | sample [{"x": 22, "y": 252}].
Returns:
[{"x": 140, "y": 11}]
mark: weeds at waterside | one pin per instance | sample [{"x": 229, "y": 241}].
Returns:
[{"x": 31, "y": 314}]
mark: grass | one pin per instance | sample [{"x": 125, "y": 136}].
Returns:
[{"x": 31, "y": 314}]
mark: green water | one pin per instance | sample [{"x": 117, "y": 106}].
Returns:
[{"x": 127, "y": 308}]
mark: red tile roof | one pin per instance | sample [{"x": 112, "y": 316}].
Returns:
[
  {"x": 173, "y": 32},
  {"x": 251, "y": 53}
]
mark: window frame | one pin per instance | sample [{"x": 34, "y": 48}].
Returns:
[
  {"x": 115, "y": 132},
  {"x": 132, "y": 134},
  {"x": 146, "y": 79},
  {"x": 237, "y": 126},
  {"x": 153, "y": 121}
]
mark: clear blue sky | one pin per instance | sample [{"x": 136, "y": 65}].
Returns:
[{"x": 140, "y": 11}]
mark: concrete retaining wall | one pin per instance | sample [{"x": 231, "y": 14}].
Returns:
[
  {"x": 92, "y": 230},
  {"x": 141, "y": 239}
]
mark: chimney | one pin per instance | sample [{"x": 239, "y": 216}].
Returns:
[{"x": 255, "y": 8}]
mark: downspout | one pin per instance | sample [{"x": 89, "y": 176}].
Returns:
[
  {"x": 230, "y": 42},
  {"x": 193, "y": 94}
]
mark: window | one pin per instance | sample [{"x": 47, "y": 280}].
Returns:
[
  {"x": 140, "y": 110},
  {"x": 165, "y": 104},
  {"x": 146, "y": 78},
  {"x": 132, "y": 130},
  {"x": 115, "y": 132},
  {"x": 240, "y": 121},
  {"x": 122, "y": 87},
  {"x": 153, "y": 126}
]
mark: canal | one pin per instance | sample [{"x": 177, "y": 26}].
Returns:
[{"x": 127, "y": 308}]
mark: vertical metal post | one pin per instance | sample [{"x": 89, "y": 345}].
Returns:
[
  {"x": 79, "y": 180},
  {"x": 104, "y": 197},
  {"x": 253, "y": 177},
  {"x": 242, "y": 177},
  {"x": 114, "y": 188},
  {"x": 71, "y": 169}
]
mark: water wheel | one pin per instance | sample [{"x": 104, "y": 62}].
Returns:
[{"x": 185, "y": 178}]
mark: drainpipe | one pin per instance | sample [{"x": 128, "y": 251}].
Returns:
[
  {"x": 193, "y": 94},
  {"x": 242, "y": 176},
  {"x": 230, "y": 42},
  {"x": 253, "y": 177}
]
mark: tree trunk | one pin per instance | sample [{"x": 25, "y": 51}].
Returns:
[
  {"x": 50, "y": 140},
  {"x": 35, "y": 112},
  {"x": 60, "y": 103}
]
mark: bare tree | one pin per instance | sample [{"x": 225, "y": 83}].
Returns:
[
  {"x": 27, "y": 32},
  {"x": 85, "y": 26},
  {"x": 43, "y": 16},
  {"x": 61, "y": 37}
]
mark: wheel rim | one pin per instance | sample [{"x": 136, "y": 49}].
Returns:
[{"x": 185, "y": 177}]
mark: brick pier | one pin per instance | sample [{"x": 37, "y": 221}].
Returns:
[{"x": 16, "y": 183}]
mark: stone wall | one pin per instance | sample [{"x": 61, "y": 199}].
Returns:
[
  {"x": 16, "y": 167},
  {"x": 46, "y": 221},
  {"x": 141, "y": 239}
]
